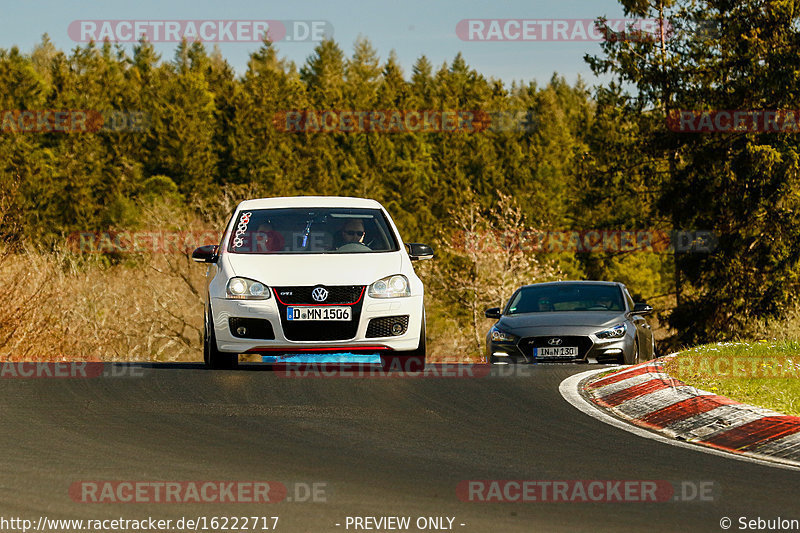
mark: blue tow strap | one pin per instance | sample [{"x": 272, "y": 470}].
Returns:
[{"x": 343, "y": 357}]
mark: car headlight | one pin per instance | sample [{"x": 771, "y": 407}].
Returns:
[
  {"x": 501, "y": 336},
  {"x": 616, "y": 332},
  {"x": 390, "y": 287},
  {"x": 246, "y": 289}
]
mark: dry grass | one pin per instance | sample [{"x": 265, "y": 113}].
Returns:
[
  {"x": 149, "y": 307},
  {"x": 59, "y": 304},
  {"x": 62, "y": 307}
]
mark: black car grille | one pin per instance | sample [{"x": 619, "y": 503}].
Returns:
[
  {"x": 337, "y": 295},
  {"x": 320, "y": 330},
  {"x": 527, "y": 345},
  {"x": 382, "y": 327}
]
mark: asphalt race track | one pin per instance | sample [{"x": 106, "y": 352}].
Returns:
[{"x": 381, "y": 447}]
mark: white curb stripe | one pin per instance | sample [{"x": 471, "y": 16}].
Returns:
[
  {"x": 608, "y": 390},
  {"x": 784, "y": 447},
  {"x": 704, "y": 425}
]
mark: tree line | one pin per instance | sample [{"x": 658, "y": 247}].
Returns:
[{"x": 571, "y": 157}]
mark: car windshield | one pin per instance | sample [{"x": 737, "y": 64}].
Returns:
[
  {"x": 311, "y": 231},
  {"x": 566, "y": 297}
]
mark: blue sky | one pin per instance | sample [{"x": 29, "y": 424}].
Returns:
[{"x": 410, "y": 27}]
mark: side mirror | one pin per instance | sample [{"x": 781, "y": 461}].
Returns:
[
  {"x": 205, "y": 254},
  {"x": 493, "y": 312},
  {"x": 417, "y": 251},
  {"x": 642, "y": 309}
]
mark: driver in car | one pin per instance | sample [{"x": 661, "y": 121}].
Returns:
[
  {"x": 606, "y": 302},
  {"x": 267, "y": 239},
  {"x": 352, "y": 232}
]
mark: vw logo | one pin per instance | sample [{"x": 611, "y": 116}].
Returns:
[
  {"x": 555, "y": 341},
  {"x": 320, "y": 294}
]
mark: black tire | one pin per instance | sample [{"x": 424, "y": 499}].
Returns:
[
  {"x": 637, "y": 355},
  {"x": 212, "y": 356}
]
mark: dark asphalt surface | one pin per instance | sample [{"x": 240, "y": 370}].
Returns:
[{"x": 383, "y": 447}]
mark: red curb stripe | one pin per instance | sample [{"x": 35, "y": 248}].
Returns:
[
  {"x": 756, "y": 432},
  {"x": 685, "y": 409},
  {"x": 619, "y": 376},
  {"x": 613, "y": 400}
]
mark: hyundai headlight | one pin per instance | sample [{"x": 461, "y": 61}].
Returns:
[
  {"x": 615, "y": 332},
  {"x": 390, "y": 287},
  {"x": 501, "y": 336},
  {"x": 246, "y": 289}
]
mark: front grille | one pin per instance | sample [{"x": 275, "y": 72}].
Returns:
[
  {"x": 382, "y": 327},
  {"x": 322, "y": 330},
  {"x": 527, "y": 345},
  {"x": 337, "y": 295}
]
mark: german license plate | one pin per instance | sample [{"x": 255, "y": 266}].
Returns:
[
  {"x": 318, "y": 313},
  {"x": 560, "y": 351}
]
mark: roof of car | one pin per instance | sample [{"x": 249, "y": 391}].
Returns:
[
  {"x": 309, "y": 201},
  {"x": 582, "y": 282}
]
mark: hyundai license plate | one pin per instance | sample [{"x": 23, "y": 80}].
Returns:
[{"x": 560, "y": 351}]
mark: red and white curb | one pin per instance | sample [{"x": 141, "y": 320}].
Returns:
[{"x": 644, "y": 395}]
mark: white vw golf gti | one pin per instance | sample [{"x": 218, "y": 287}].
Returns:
[{"x": 314, "y": 279}]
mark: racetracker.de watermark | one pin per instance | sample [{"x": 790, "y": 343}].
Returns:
[
  {"x": 200, "y": 491},
  {"x": 585, "y": 241},
  {"x": 553, "y": 30},
  {"x": 411, "y": 368},
  {"x": 727, "y": 367},
  {"x": 549, "y": 30},
  {"x": 73, "y": 370},
  {"x": 218, "y": 31},
  {"x": 735, "y": 121},
  {"x": 584, "y": 491},
  {"x": 134, "y": 242},
  {"x": 381, "y": 121},
  {"x": 72, "y": 121},
  {"x": 405, "y": 121}
]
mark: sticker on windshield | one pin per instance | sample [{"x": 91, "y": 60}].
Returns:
[{"x": 241, "y": 229}]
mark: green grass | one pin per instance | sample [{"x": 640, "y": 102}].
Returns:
[{"x": 762, "y": 373}]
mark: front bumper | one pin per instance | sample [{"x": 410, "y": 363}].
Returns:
[
  {"x": 271, "y": 310},
  {"x": 591, "y": 349}
]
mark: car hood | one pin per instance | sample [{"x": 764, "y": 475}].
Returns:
[
  {"x": 323, "y": 269},
  {"x": 592, "y": 320}
]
